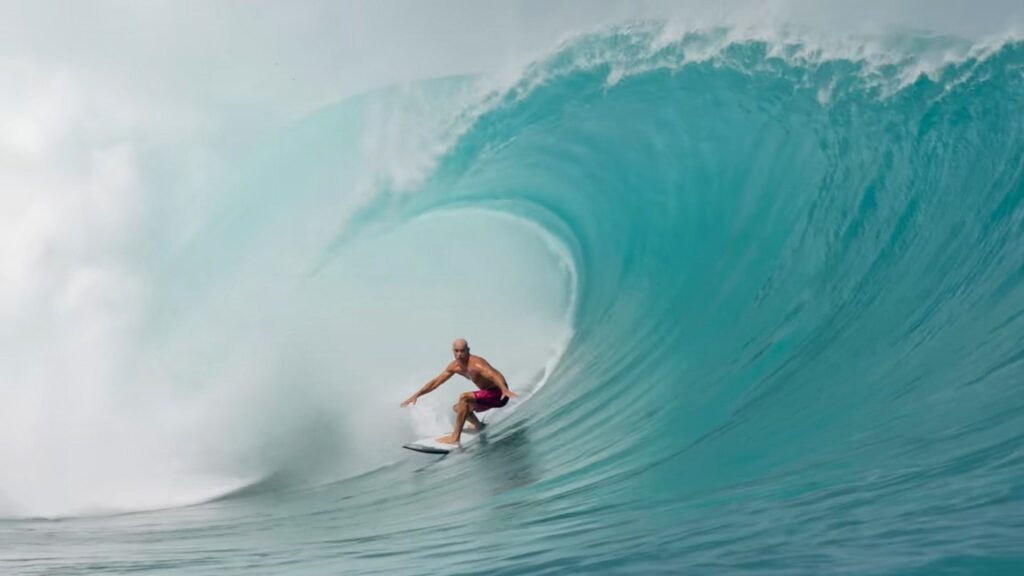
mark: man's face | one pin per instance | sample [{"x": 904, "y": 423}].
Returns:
[{"x": 461, "y": 352}]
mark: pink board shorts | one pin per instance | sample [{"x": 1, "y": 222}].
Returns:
[{"x": 487, "y": 399}]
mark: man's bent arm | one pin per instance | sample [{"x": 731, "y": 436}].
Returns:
[{"x": 499, "y": 378}]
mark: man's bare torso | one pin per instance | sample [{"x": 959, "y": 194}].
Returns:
[{"x": 478, "y": 371}]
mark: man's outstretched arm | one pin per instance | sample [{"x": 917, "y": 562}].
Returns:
[{"x": 429, "y": 386}]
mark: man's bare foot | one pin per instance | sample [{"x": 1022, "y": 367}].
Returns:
[{"x": 449, "y": 439}]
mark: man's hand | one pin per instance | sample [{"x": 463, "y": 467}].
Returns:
[
  {"x": 411, "y": 400},
  {"x": 508, "y": 394}
]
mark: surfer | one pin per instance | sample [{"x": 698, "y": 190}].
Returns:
[{"x": 493, "y": 390}]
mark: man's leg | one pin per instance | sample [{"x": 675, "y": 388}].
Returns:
[
  {"x": 465, "y": 406},
  {"x": 474, "y": 407},
  {"x": 474, "y": 420}
]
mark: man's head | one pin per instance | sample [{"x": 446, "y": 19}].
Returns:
[{"x": 460, "y": 348}]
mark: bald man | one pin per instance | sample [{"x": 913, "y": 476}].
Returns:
[{"x": 493, "y": 390}]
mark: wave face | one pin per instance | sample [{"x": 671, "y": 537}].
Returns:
[{"x": 797, "y": 326}]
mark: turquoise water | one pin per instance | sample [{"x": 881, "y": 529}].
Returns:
[{"x": 794, "y": 294}]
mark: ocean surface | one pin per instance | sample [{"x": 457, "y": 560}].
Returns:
[{"x": 763, "y": 299}]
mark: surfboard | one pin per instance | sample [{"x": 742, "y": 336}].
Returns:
[{"x": 432, "y": 446}]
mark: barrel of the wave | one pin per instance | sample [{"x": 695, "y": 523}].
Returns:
[{"x": 761, "y": 245}]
